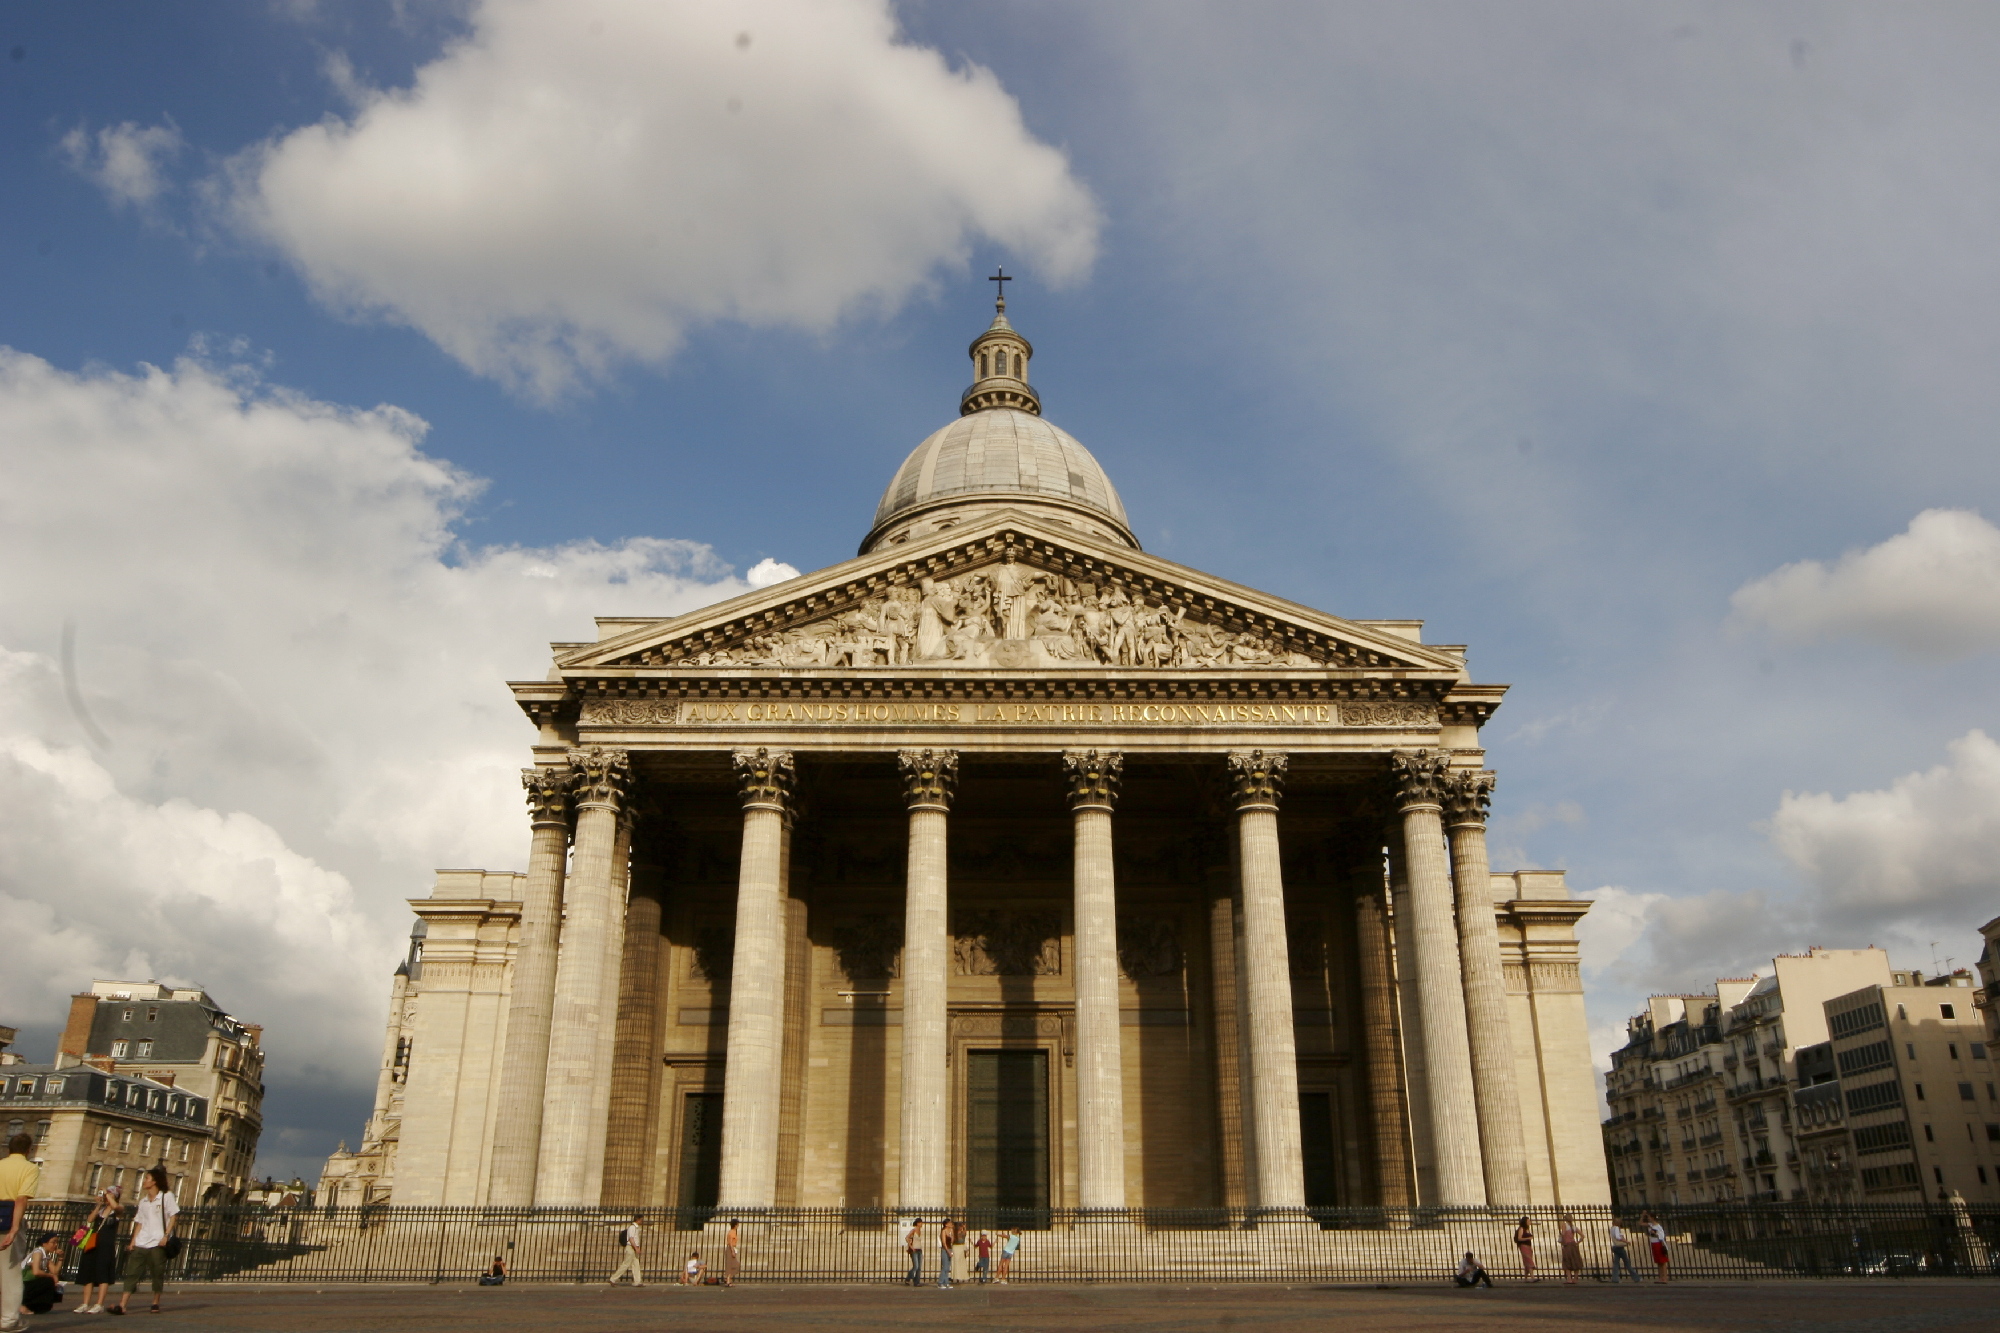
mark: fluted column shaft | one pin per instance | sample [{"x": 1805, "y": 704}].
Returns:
[
  {"x": 1502, "y": 1140},
  {"x": 586, "y": 992},
  {"x": 1093, "y": 778},
  {"x": 752, "y": 1069},
  {"x": 607, "y": 1031},
  {"x": 524, "y": 1061},
  {"x": 930, "y": 779},
  {"x": 1432, "y": 934},
  {"x": 1258, "y": 779},
  {"x": 1378, "y": 1040},
  {"x": 632, "y": 1122}
]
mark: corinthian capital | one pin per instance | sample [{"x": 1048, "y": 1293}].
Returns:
[
  {"x": 1094, "y": 777},
  {"x": 1468, "y": 795},
  {"x": 548, "y": 794},
  {"x": 764, "y": 778},
  {"x": 602, "y": 775},
  {"x": 1257, "y": 777},
  {"x": 930, "y": 777},
  {"x": 1419, "y": 776}
]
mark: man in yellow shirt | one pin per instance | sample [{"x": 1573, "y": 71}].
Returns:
[{"x": 19, "y": 1178}]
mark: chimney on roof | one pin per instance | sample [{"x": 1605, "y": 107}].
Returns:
[{"x": 74, "y": 1043}]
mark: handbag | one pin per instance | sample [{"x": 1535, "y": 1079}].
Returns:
[{"x": 172, "y": 1248}]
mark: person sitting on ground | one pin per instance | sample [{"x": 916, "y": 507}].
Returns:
[
  {"x": 42, "y": 1288},
  {"x": 495, "y": 1274},
  {"x": 692, "y": 1271},
  {"x": 1470, "y": 1274}
]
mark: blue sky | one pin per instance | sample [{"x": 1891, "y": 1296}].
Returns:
[{"x": 1645, "y": 349}]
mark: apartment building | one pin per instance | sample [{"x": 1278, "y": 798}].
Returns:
[{"x": 95, "y": 1126}]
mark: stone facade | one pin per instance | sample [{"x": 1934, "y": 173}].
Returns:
[{"x": 1003, "y": 866}]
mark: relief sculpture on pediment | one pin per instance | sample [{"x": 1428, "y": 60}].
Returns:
[
  {"x": 1009, "y": 615},
  {"x": 1006, "y": 944}
]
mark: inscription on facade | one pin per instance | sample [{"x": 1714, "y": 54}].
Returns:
[{"x": 1025, "y": 713}]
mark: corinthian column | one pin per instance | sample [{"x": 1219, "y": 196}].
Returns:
[
  {"x": 752, "y": 1070},
  {"x": 1502, "y": 1142},
  {"x": 1258, "y": 779},
  {"x": 586, "y": 994},
  {"x": 1378, "y": 1030},
  {"x": 524, "y": 1065},
  {"x": 930, "y": 777},
  {"x": 1094, "y": 777},
  {"x": 1432, "y": 938}
]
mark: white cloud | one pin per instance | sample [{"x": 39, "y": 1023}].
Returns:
[
  {"x": 298, "y": 672},
  {"x": 1921, "y": 855},
  {"x": 127, "y": 161},
  {"x": 768, "y": 571},
  {"x": 577, "y": 182},
  {"x": 1932, "y": 590}
]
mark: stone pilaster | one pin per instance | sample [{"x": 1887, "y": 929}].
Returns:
[
  {"x": 1258, "y": 779},
  {"x": 1093, "y": 778},
  {"x": 1432, "y": 937},
  {"x": 524, "y": 1068},
  {"x": 930, "y": 779},
  {"x": 751, "y": 1074},
  {"x": 1386, "y": 1107},
  {"x": 1502, "y": 1141},
  {"x": 586, "y": 990}
]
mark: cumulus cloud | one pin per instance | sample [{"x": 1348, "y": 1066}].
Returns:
[
  {"x": 1932, "y": 590},
  {"x": 127, "y": 161},
  {"x": 768, "y": 571},
  {"x": 1917, "y": 856},
  {"x": 297, "y": 670},
  {"x": 577, "y": 182}
]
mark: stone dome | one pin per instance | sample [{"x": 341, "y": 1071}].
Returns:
[{"x": 995, "y": 458}]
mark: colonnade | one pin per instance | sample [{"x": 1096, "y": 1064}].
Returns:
[{"x": 1433, "y": 1028}]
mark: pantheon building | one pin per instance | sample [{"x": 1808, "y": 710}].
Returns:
[{"x": 1004, "y": 866}]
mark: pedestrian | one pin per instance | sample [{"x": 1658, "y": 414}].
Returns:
[
  {"x": 631, "y": 1240},
  {"x": 1524, "y": 1241},
  {"x": 1656, "y": 1238},
  {"x": 495, "y": 1274},
  {"x": 19, "y": 1178},
  {"x": 1571, "y": 1241},
  {"x": 97, "y": 1251},
  {"x": 732, "y": 1254},
  {"x": 41, "y": 1286},
  {"x": 1010, "y": 1245},
  {"x": 152, "y": 1227},
  {"x": 691, "y": 1270},
  {"x": 1470, "y": 1274},
  {"x": 947, "y": 1237},
  {"x": 1621, "y": 1257},
  {"x": 985, "y": 1265},
  {"x": 913, "y": 1241}
]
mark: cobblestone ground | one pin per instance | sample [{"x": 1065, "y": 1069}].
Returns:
[{"x": 1938, "y": 1306}]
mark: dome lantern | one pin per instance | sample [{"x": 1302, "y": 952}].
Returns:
[{"x": 1000, "y": 359}]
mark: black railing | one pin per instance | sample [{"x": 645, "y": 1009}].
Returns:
[{"x": 381, "y": 1243}]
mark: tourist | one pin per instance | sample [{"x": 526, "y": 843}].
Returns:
[
  {"x": 913, "y": 1241},
  {"x": 630, "y": 1240},
  {"x": 732, "y": 1254},
  {"x": 152, "y": 1228},
  {"x": 41, "y": 1288},
  {"x": 1524, "y": 1241},
  {"x": 1656, "y": 1238},
  {"x": 1571, "y": 1241},
  {"x": 691, "y": 1270},
  {"x": 1621, "y": 1257},
  {"x": 985, "y": 1265},
  {"x": 1010, "y": 1245},
  {"x": 19, "y": 1178},
  {"x": 947, "y": 1237},
  {"x": 495, "y": 1274},
  {"x": 97, "y": 1250},
  {"x": 1470, "y": 1274}
]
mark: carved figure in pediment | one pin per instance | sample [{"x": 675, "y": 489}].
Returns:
[
  {"x": 899, "y": 627},
  {"x": 937, "y": 608},
  {"x": 1006, "y": 944},
  {"x": 714, "y": 954},
  {"x": 1014, "y": 587},
  {"x": 1118, "y": 609},
  {"x": 869, "y": 948},
  {"x": 1148, "y": 946}
]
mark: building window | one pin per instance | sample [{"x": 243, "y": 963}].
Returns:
[
  {"x": 118, "y": 1177},
  {"x": 121, "y": 1049},
  {"x": 1938, "y": 1172},
  {"x": 1947, "y": 1011},
  {"x": 145, "y": 1049},
  {"x": 1979, "y": 1050},
  {"x": 1911, "y": 1047},
  {"x": 184, "y": 1152},
  {"x": 147, "y": 1151},
  {"x": 96, "y": 1175},
  {"x": 1965, "y": 1092},
  {"x": 25, "y": 1088},
  {"x": 153, "y": 1015},
  {"x": 1929, "y": 1137},
  {"x": 1920, "y": 1092},
  {"x": 125, "y": 1141},
  {"x": 1982, "y": 1175},
  {"x": 126, "y": 1017},
  {"x": 1952, "y": 1048},
  {"x": 1993, "y": 1133},
  {"x": 53, "y": 1087},
  {"x": 104, "y": 1136},
  {"x": 1000, "y": 362}
]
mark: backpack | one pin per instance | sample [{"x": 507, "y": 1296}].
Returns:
[{"x": 619, "y": 1244}]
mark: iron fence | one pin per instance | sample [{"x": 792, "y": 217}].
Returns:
[{"x": 383, "y": 1243}]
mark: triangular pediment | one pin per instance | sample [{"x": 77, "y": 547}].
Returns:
[{"x": 1013, "y": 591}]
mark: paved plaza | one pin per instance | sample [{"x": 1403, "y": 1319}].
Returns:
[{"x": 1941, "y": 1306}]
